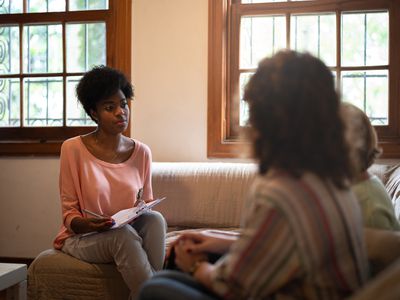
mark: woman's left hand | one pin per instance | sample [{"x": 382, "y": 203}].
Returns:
[{"x": 183, "y": 258}]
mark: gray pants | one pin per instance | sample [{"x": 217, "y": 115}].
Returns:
[{"x": 137, "y": 249}]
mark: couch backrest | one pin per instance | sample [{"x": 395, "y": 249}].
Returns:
[
  {"x": 202, "y": 194},
  {"x": 381, "y": 170},
  {"x": 208, "y": 194}
]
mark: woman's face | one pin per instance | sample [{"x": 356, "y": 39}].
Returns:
[{"x": 112, "y": 114}]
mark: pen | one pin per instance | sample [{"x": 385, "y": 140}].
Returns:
[
  {"x": 93, "y": 214},
  {"x": 139, "y": 197}
]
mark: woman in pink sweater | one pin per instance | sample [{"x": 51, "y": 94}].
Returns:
[{"x": 104, "y": 172}]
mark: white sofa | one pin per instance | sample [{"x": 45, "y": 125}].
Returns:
[{"x": 199, "y": 195}]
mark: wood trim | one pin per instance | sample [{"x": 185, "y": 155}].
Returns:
[
  {"x": 217, "y": 143},
  {"x": 233, "y": 79},
  {"x": 35, "y": 75},
  {"x": 119, "y": 40},
  {"x": 312, "y": 6},
  {"x": 55, "y": 17},
  {"x": 120, "y": 36},
  {"x": 217, "y": 80},
  {"x": 64, "y": 62},
  {"x": 30, "y": 148},
  {"x": 41, "y": 134},
  {"x": 394, "y": 69}
]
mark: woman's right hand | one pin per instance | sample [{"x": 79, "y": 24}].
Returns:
[{"x": 85, "y": 225}]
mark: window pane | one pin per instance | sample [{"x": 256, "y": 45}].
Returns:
[
  {"x": 9, "y": 102},
  {"x": 10, "y": 6},
  {"x": 365, "y": 39},
  {"x": 369, "y": 91},
  {"x": 261, "y": 37},
  {"x": 9, "y": 50},
  {"x": 43, "y": 101},
  {"x": 42, "y": 48},
  {"x": 86, "y": 46},
  {"x": 35, "y": 6},
  {"x": 76, "y": 115},
  {"x": 315, "y": 34},
  {"x": 244, "y": 108},
  {"x": 88, "y": 4}
]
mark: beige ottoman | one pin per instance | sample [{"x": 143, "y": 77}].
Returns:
[{"x": 56, "y": 275}]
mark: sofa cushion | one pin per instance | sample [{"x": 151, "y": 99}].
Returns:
[{"x": 381, "y": 170}]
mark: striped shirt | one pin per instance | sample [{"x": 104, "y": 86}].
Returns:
[{"x": 302, "y": 239}]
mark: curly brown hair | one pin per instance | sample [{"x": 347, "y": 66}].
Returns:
[
  {"x": 295, "y": 114},
  {"x": 100, "y": 83}
]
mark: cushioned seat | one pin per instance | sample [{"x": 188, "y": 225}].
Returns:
[{"x": 56, "y": 275}]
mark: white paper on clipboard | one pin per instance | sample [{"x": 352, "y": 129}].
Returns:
[{"x": 126, "y": 216}]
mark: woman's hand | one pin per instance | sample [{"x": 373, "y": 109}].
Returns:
[
  {"x": 85, "y": 225},
  {"x": 207, "y": 242},
  {"x": 195, "y": 264},
  {"x": 183, "y": 258}
]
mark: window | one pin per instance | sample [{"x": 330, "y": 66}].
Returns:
[
  {"x": 45, "y": 47},
  {"x": 358, "y": 40}
]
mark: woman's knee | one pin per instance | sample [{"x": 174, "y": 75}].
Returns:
[
  {"x": 125, "y": 239},
  {"x": 153, "y": 218}
]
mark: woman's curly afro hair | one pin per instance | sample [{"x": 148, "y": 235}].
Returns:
[{"x": 100, "y": 83}]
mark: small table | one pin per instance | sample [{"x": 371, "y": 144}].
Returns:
[{"x": 13, "y": 281}]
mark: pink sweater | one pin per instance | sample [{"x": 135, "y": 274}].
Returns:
[{"x": 104, "y": 188}]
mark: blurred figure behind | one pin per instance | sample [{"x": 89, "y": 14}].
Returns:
[{"x": 375, "y": 202}]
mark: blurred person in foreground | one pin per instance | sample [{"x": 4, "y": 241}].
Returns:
[{"x": 302, "y": 234}]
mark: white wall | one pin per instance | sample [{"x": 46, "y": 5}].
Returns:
[
  {"x": 169, "y": 114},
  {"x": 30, "y": 212},
  {"x": 170, "y": 75}
]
